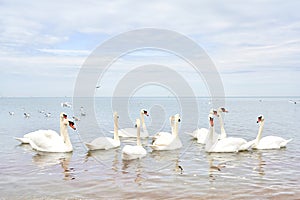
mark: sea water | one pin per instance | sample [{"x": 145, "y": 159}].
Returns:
[{"x": 256, "y": 174}]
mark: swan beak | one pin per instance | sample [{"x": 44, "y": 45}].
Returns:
[
  {"x": 71, "y": 124},
  {"x": 211, "y": 121}
]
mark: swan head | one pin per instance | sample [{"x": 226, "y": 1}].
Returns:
[
  {"x": 213, "y": 112},
  {"x": 222, "y": 109},
  {"x": 260, "y": 119},
  {"x": 211, "y": 120},
  {"x": 63, "y": 116},
  {"x": 177, "y": 118},
  {"x": 71, "y": 124},
  {"x": 145, "y": 112},
  {"x": 115, "y": 115}
]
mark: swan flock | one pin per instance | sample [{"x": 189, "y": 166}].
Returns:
[{"x": 51, "y": 141}]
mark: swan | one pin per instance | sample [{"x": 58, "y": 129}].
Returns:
[
  {"x": 224, "y": 145},
  {"x": 131, "y": 132},
  {"x": 164, "y": 134},
  {"x": 201, "y": 133},
  {"x": 168, "y": 141},
  {"x": 106, "y": 142},
  {"x": 268, "y": 142},
  {"x": 244, "y": 145},
  {"x": 133, "y": 152},
  {"x": 49, "y": 140}
]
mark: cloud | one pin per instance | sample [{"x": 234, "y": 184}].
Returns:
[{"x": 248, "y": 38}]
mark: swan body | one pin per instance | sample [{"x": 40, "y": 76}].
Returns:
[
  {"x": 168, "y": 141},
  {"x": 106, "y": 142},
  {"x": 49, "y": 140},
  {"x": 164, "y": 134},
  {"x": 131, "y": 132},
  {"x": 225, "y": 145},
  {"x": 268, "y": 142},
  {"x": 229, "y": 144},
  {"x": 130, "y": 152},
  {"x": 201, "y": 133}
]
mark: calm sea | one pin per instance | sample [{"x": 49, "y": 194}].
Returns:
[{"x": 272, "y": 174}]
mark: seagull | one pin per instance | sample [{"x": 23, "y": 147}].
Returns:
[
  {"x": 294, "y": 102},
  {"x": 82, "y": 113},
  {"x": 27, "y": 115},
  {"x": 98, "y": 86},
  {"x": 47, "y": 114},
  {"x": 11, "y": 113},
  {"x": 66, "y": 104},
  {"x": 76, "y": 118}
]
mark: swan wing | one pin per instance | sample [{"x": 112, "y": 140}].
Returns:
[
  {"x": 46, "y": 140},
  {"x": 228, "y": 145},
  {"x": 130, "y": 152},
  {"x": 272, "y": 142},
  {"x": 102, "y": 143}
]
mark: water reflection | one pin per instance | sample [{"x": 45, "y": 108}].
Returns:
[
  {"x": 166, "y": 159},
  {"x": 109, "y": 158},
  {"x": 261, "y": 163},
  {"x": 45, "y": 160},
  {"x": 137, "y": 167}
]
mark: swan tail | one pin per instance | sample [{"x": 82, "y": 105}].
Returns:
[
  {"x": 23, "y": 140},
  {"x": 90, "y": 146},
  {"x": 247, "y": 145},
  {"x": 283, "y": 144},
  {"x": 191, "y": 134}
]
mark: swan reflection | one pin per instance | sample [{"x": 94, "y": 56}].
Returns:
[
  {"x": 46, "y": 160},
  {"x": 136, "y": 166},
  {"x": 261, "y": 163},
  {"x": 109, "y": 158}
]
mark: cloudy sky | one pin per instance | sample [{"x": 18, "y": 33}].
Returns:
[{"x": 255, "y": 46}]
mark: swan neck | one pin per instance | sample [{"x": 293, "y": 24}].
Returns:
[
  {"x": 138, "y": 138},
  {"x": 223, "y": 133},
  {"x": 143, "y": 122},
  {"x": 116, "y": 128},
  {"x": 260, "y": 130},
  {"x": 209, "y": 138},
  {"x": 64, "y": 132},
  {"x": 176, "y": 128}
]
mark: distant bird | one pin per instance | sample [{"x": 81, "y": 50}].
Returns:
[
  {"x": 11, "y": 113},
  {"x": 98, "y": 86},
  {"x": 41, "y": 111},
  {"x": 82, "y": 112},
  {"x": 66, "y": 104},
  {"x": 47, "y": 114},
  {"x": 294, "y": 102},
  {"x": 26, "y": 115},
  {"x": 76, "y": 118}
]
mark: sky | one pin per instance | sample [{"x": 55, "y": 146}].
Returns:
[{"x": 255, "y": 45}]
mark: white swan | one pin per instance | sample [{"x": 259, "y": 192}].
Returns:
[
  {"x": 49, "y": 140},
  {"x": 224, "y": 145},
  {"x": 268, "y": 142},
  {"x": 131, "y": 132},
  {"x": 201, "y": 133},
  {"x": 130, "y": 152},
  {"x": 244, "y": 145},
  {"x": 106, "y": 142},
  {"x": 165, "y": 134},
  {"x": 168, "y": 141}
]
